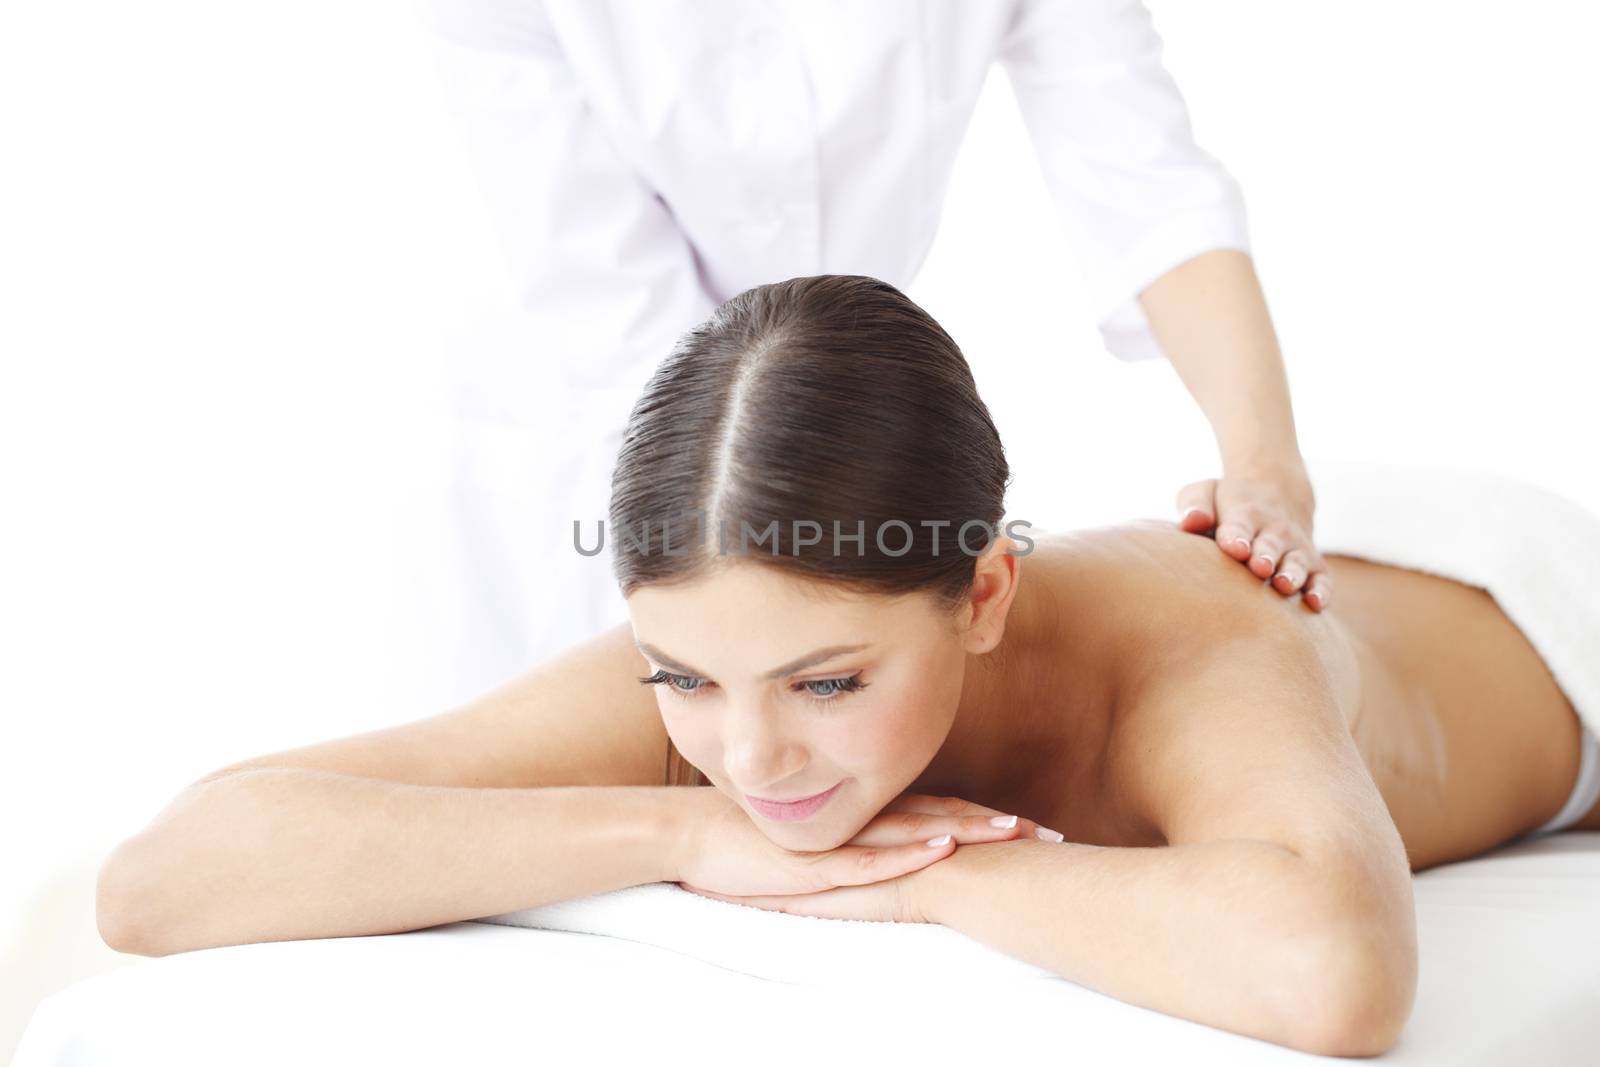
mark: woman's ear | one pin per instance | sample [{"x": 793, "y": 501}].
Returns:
[{"x": 994, "y": 586}]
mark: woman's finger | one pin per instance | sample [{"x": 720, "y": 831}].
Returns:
[
  {"x": 889, "y": 829},
  {"x": 862, "y": 865},
  {"x": 960, "y": 805},
  {"x": 949, "y": 815}
]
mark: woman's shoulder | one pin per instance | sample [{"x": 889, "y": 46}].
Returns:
[
  {"x": 1149, "y": 571},
  {"x": 1150, "y": 545},
  {"x": 1179, "y": 632},
  {"x": 1147, "y": 596}
]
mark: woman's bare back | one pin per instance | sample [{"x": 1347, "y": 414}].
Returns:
[
  {"x": 1463, "y": 729},
  {"x": 1466, "y": 733}
]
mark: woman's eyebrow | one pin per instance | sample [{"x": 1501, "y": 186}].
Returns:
[{"x": 810, "y": 659}]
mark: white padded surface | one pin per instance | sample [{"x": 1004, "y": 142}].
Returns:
[{"x": 1510, "y": 972}]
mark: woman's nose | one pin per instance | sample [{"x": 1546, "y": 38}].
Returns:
[{"x": 759, "y": 756}]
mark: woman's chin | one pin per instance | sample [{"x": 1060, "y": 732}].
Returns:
[
  {"x": 817, "y": 834},
  {"x": 814, "y": 840}
]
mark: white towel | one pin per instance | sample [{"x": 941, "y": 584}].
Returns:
[
  {"x": 1532, "y": 550},
  {"x": 799, "y": 949}
]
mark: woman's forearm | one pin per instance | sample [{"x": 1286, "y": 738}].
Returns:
[
  {"x": 1240, "y": 935},
  {"x": 1210, "y": 318},
  {"x": 276, "y": 853}
]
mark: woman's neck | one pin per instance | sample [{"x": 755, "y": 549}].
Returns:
[{"x": 1035, "y": 713}]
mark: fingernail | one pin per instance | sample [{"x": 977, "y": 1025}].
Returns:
[
  {"x": 1004, "y": 822},
  {"x": 1047, "y": 835},
  {"x": 942, "y": 839},
  {"x": 1265, "y": 559},
  {"x": 1194, "y": 511}
]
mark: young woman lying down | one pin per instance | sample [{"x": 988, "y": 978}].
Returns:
[{"x": 1114, "y": 753}]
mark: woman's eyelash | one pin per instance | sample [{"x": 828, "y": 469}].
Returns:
[
  {"x": 849, "y": 684},
  {"x": 670, "y": 681}
]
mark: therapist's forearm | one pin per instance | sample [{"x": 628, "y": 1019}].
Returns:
[
  {"x": 1240, "y": 935},
  {"x": 281, "y": 853},
  {"x": 1210, "y": 317}
]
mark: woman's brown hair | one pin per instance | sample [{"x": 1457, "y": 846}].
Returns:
[{"x": 831, "y": 400}]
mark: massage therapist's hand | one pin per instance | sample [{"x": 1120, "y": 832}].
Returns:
[
  {"x": 1263, "y": 518},
  {"x": 870, "y": 877}
]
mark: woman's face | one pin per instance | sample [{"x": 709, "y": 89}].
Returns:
[{"x": 778, "y": 688}]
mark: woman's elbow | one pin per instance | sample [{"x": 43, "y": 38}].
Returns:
[
  {"x": 121, "y": 918},
  {"x": 1359, "y": 994}
]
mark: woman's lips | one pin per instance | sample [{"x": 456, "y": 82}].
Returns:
[{"x": 794, "y": 810}]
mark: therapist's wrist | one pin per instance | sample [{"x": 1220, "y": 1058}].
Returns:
[
  {"x": 1289, "y": 481},
  {"x": 1281, "y": 466},
  {"x": 1260, "y": 442}
]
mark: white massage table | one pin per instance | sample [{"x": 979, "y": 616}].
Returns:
[{"x": 1510, "y": 973}]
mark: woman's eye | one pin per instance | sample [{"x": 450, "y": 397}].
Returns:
[
  {"x": 828, "y": 688},
  {"x": 821, "y": 689},
  {"x": 684, "y": 684}
]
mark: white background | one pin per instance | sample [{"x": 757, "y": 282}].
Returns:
[{"x": 237, "y": 245}]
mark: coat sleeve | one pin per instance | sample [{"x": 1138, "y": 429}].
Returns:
[
  {"x": 605, "y": 279},
  {"x": 1137, "y": 195}
]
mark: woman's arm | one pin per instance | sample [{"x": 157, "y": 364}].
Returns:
[
  {"x": 1238, "y": 934},
  {"x": 535, "y": 791},
  {"x": 283, "y": 853},
  {"x": 1281, "y": 906}
]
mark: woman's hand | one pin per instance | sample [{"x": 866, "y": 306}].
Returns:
[
  {"x": 869, "y": 877},
  {"x": 1263, "y": 519}
]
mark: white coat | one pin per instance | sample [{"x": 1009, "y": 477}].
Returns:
[{"x": 644, "y": 160}]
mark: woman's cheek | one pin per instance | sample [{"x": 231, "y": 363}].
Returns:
[
  {"x": 889, "y": 734},
  {"x": 681, "y": 728}
]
